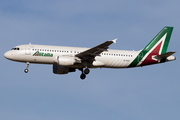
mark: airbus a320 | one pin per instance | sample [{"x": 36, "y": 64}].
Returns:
[{"x": 69, "y": 59}]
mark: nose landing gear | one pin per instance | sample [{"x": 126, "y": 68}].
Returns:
[
  {"x": 27, "y": 65},
  {"x": 26, "y": 70}
]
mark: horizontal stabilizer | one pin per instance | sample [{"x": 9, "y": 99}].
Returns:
[{"x": 165, "y": 55}]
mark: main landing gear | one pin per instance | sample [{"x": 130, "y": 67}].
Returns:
[
  {"x": 27, "y": 65},
  {"x": 84, "y": 73}
]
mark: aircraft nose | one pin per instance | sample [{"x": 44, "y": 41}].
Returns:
[{"x": 8, "y": 55}]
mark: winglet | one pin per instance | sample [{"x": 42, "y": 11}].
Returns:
[{"x": 114, "y": 41}]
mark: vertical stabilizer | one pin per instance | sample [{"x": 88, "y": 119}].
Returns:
[
  {"x": 157, "y": 46},
  {"x": 162, "y": 38}
]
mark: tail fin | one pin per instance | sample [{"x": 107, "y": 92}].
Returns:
[
  {"x": 160, "y": 40},
  {"x": 157, "y": 46}
]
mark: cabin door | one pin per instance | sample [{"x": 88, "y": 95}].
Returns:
[{"x": 28, "y": 49}]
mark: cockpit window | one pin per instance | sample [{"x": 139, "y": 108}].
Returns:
[{"x": 15, "y": 49}]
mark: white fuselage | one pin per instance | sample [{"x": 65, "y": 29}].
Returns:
[
  {"x": 68, "y": 59},
  {"x": 45, "y": 54}
]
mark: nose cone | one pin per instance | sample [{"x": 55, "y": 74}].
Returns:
[{"x": 8, "y": 55}]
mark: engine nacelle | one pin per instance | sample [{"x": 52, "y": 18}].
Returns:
[
  {"x": 64, "y": 60},
  {"x": 62, "y": 69}
]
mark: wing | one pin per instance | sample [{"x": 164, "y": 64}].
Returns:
[{"x": 95, "y": 51}]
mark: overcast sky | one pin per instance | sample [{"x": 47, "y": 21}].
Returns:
[{"x": 147, "y": 93}]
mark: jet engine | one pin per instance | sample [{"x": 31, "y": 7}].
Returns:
[
  {"x": 62, "y": 69},
  {"x": 64, "y": 60}
]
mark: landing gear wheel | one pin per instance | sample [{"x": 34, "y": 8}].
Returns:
[
  {"x": 86, "y": 71},
  {"x": 83, "y": 76},
  {"x": 26, "y": 70},
  {"x": 27, "y": 65}
]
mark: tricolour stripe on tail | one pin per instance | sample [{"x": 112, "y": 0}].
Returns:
[{"x": 157, "y": 46}]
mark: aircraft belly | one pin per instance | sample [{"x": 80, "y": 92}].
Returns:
[{"x": 43, "y": 60}]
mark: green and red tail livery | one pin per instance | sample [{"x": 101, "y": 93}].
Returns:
[{"x": 157, "y": 46}]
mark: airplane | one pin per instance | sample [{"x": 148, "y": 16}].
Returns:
[{"x": 69, "y": 59}]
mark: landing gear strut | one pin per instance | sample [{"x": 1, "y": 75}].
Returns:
[
  {"x": 84, "y": 73},
  {"x": 27, "y": 65}
]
